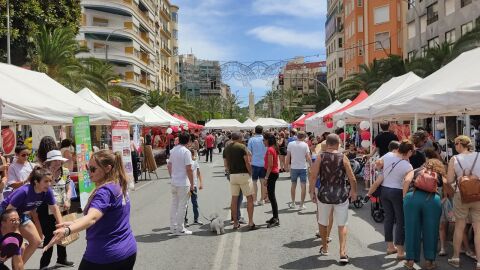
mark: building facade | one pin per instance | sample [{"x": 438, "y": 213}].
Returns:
[
  {"x": 373, "y": 30},
  {"x": 334, "y": 42},
  {"x": 139, "y": 37},
  {"x": 304, "y": 77},
  {"x": 201, "y": 78},
  {"x": 432, "y": 22}
]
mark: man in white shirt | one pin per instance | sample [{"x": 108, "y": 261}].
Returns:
[
  {"x": 298, "y": 156},
  {"x": 180, "y": 170}
]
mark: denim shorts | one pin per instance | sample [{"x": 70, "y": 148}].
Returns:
[
  {"x": 296, "y": 173},
  {"x": 258, "y": 173}
]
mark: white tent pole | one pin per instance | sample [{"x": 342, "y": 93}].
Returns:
[
  {"x": 371, "y": 135},
  {"x": 415, "y": 123},
  {"x": 467, "y": 125},
  {"x": 446, "y": 136}
]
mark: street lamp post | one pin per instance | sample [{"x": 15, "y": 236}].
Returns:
[{"x": 106, "y": 40}]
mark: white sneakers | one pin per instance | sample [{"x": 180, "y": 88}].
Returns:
[
  {"x": 292, "y": 205},
  {"x": 184, "y": 232},
  {"x": 302, "y": 207}
]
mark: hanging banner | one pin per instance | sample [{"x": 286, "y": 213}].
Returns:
[
  {"x": 83, "y": 149},
  {"x": 121, "y": 143},
  {"x": 9, "y": 140}
]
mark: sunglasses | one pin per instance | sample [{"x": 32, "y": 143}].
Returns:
[
  {"x": 92, "y": 169},
  {"x": 24, "y": 155}
]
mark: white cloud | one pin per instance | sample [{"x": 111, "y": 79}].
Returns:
[
  {"x": 288, "y": 37},
  {"x": 296, "y": 8}
]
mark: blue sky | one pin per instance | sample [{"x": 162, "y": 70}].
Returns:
[{"x": 252, "y": 30}]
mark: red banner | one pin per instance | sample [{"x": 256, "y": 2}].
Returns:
[{"x": 9, "y": 141}]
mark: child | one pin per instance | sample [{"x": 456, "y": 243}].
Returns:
[
  {"x": 198, "y": 185},
  {"x": 393, "y": 149}
]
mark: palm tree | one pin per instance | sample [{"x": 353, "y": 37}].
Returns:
[
  {"x": 56, "y": 52},
  {"x": 213, "y": 105},
  {"x": 230, "y": 105},
  {"x": 368, "y": 79}
]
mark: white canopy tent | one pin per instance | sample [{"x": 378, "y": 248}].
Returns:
[
  {"x": 271, "y": 123},
  {"x": 451, "y": 90},
  {"x": 88, "y": 95},
  {"x": 31, "y": 97},
  {"x": 151, "y": 118},
  {"x": 393, "y": 86},
  {"x": 227, "y": 124},
  {"x": 315, "y": 122},
  {"x": 173, "y": 121},
  {"x": 248, "y": 124}
]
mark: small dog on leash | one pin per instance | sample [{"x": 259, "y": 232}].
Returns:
[{"x": 216, "y": 224}]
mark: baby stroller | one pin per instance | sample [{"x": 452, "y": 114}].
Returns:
[{"x": 376, "y": 208}]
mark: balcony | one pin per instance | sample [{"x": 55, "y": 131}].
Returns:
[
  {"x": 165, "y": 32},
  {"x": 166, "y": 51},
  {"x": 128, "y": 25},
  {"x": 166, "y": 69},
  {"x": 144, "y": 57},
  {"x": 165, "y": 14},
  {"x": 144, "y": 37}
]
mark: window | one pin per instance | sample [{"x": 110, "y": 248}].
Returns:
[
  {"x": 174, "y": 16},
  {"x": 450, "y": 36},
  {"x": 423, "y": 24},
  {"x": 340, "y": 42},
  {"x": 433, "y": 43},
  {"x": 381, "y": 14},
  {"x": 449, "y": 7},
  {"x": 100, "y": 21},
  {"x": 360, "y": 23},
  {"x": 411, "y": 30},
  {"x": 411, "y": 4},
  {"x": 432, "y": 13},
  {"x": 359, "y": 3},
  {"x": 467, "y": 28},
  {"x": 465, "y": 2},
  {"x": 360, "y": 47},
  {"x": 340, "y": 62},
  {"x": 340, "y": 79},
  {"x": 411, "y": 55},
  {"x": 382, "y": 41}
]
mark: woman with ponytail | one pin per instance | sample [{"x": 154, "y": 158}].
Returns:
[{"x": 110, "y": 241}]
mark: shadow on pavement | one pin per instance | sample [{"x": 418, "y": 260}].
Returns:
[
  {"x": 160, "y": 229},
  {"x": 154, "y": 237},
  {"x": 307, "y": 213},
  {"x": 368, "y": 262},
  {"x": 307, "y": 243},
  {"x": 379, "y": 246},
  {"x": 284, "y": 211},
  {"x": 311, "y": 262}
]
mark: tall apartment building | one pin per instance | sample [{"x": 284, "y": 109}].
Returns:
[
  {"x": 373, "y": 30},
  {"x": 433, "y": 22},
  {"x": 201, "y": 78},
  {"x": 304, "y": 77},
  {"x": 139, "y": 37},
  {"x": 334, "y": 41}
]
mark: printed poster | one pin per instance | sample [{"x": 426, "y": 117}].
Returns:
[
  {"x": 83, "y": 149},
  {"x": 121, "y": 143},
  {"x": 9, "y": 140},
  {"x": 136, "y": 136}
]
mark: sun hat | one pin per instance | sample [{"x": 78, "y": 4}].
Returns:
[
  {"x": 11, "y": 243},
  {"x": 55, "y": 155}
]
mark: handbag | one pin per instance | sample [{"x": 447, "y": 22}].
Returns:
[
  {"x": 72, "y": 237},
  {"x": 469, "y": 184},
  {"x": 426, "y": 180}
]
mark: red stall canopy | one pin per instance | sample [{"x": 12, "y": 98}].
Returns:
[
  {"x": 301, "y": 122},
  {"x": 362, "y": 96},
  {"x": 190, "y": 124}
]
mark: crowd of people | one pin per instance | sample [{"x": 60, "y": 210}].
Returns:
[
  {"x": 37, "y": 195},
  {"x": 419, "y": 191}
]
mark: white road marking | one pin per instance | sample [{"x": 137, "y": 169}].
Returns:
[
  {"x": 217, "y": 263},
  {"x": 235, "y": 251},
  {"x": 142, "y": 186}
]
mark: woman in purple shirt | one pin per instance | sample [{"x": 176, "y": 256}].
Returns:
[
  {"x": 110, "y": 241},
  {"x": 28, "y": 198}
]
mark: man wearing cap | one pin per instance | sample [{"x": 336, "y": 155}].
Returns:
[{"x": 11, "y": 240}]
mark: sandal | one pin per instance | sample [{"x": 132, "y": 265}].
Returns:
[
  {"x": 236, "y": 227},
  {"x": 471, "y": 254},
  {"x": 393, "y": 251},
  {"x": 409, "y": 265},
  {"x": 477, "y": 267},
  {"x": 442, "y": 253},
  {"x": 252, "y": 227},
  {"x": 323, "y": 252},
  {"x": 455, "y": 262}
]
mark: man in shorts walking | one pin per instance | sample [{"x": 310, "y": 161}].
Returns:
[
  {"x": 297, "y": 161},
  {"x": 237, "y": 164},
  {"x": 258, "y": 150},
  {"x": 333, "y": 192}
]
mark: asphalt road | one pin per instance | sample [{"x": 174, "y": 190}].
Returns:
[{"x": 292, "y": 245}]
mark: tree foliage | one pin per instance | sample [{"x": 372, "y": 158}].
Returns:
[{"x": 27, "y": 17}]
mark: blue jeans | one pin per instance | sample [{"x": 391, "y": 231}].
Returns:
[
  {"x": 257, "y": 173},
  {"x": 193, "y": 198},
  {"x": 298, "y": 173}
]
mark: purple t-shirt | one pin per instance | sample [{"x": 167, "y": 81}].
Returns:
[
  {"x": 25, "y": 199},
  {"x": 110, "y": 239}
]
